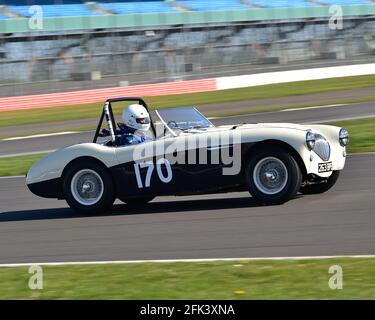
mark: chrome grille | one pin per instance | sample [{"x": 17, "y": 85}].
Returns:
[{"x": 322, "y": 148}]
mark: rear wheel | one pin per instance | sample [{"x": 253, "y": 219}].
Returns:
[
  {"x": 88, "y": 187},
  {"x": 321, "y": 187},
  {"x": 273, "y": 176},
  {"x": 136, "y": 201}
]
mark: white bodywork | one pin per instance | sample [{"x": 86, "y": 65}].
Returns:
[{"x": 52, "y": 166}]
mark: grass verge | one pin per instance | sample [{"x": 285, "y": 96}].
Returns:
[
  {"x": 361, "y": 134},
  {"x": 76, "y": 112},
  {"x": 362, "y": 139},
  {"x": 218, "y": 115},
  {"x": 14, "y": 166},
  {"x": 263, "y": 279}
]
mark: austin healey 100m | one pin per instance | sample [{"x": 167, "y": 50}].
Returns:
[{"x": 185, "y": 155}]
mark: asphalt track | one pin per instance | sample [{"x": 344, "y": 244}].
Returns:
[
  {"x": 339, "y": 222},
  {"x": 303, "y": 115}
]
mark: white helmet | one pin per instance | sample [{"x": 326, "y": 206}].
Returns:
[{"x": 136, "y": 116}]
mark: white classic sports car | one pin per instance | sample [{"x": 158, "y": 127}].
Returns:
[{"x": 186, "y": 154}]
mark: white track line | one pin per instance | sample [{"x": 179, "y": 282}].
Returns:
[
  {"x": 10, "y": 265},
  {"x": 282, "y": 110},
  {"x": 12, "y": 177},
  {"x": 314, "y": 107},
  {"x": 361, "y": 153},
  {"x": 26, "y": 153},
  {"x": 42, "y": 135},
  {"x": 369, "y": 116}
]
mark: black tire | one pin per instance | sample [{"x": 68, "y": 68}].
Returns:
[
  {"x": 290, "y": 183},
  {"x": 136, "y": 201},
  {"x": 321, "y": 187},
  {"x": 105, "y": 200}
]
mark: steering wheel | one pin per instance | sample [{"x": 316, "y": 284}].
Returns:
[
  {"x": 174, "y": 123},
  {"x": 170, "y": 124}
]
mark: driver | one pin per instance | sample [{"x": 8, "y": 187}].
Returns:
[{"x": 133, "y": 130}]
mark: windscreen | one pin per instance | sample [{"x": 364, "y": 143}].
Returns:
[{"x": 184, "y": 118}]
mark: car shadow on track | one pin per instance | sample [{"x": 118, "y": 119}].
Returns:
[{"x": 123, "y": 209}]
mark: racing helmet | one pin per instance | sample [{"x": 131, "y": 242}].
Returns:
[{"x": 136, "y": 116}]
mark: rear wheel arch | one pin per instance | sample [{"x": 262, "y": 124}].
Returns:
[{"x": 277, "y": 143}]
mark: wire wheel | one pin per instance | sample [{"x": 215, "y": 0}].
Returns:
[
  {"x": 87, "y": 187},
  {"x": 270, "y": 175}
]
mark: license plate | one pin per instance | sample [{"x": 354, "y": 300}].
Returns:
[{"x": 325, "y": 167}]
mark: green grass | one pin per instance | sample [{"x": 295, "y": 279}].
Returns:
[
  {"x": 78, "y": 129},
  {"x": 22, "y": 117},
  {"x": 362, "y": 139},
  {"x": 223, "y": 114},
  {"x": 278, "y": 279},
  {"x": 13, "y": 166},
  {"x": 361, "y": 134},
  {"x": 311, "y": 104}
]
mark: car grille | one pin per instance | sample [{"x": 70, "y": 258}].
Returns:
[{"x": 322, "y": 148}]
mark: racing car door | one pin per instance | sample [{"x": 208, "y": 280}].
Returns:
[{"x": 172, "y": 165}]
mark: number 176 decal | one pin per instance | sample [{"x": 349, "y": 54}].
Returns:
[{"x": 150, "y": 169}]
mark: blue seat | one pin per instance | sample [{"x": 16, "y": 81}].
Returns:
[
  {"x": 57, "y": 10},
  {"x": 345, "y": 2},
  {"x": 282, "y": 3},
  {"x": 137, "y": 7},
  {"x": 79, "y": 9},
  {"x": 207, "y": 5}
]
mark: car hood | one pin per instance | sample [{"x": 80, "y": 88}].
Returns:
[{"x": 266, "y": 125}]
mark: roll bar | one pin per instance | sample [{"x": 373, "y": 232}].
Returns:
[{"x": 108, "y": 114}]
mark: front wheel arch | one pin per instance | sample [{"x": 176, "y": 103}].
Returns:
[
  {"x": 281, "y": 144},
  {"x": 288, "y": 170}
]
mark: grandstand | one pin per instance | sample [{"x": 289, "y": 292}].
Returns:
[
  {"x": 20, "y": 8},
  {"x": 104, "y": 43}
]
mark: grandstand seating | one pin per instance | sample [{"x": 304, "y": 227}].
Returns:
[
  {"x": 207, "y": 5},
  {"x": 57, "y": 10},
  {"x": 282, "y": 3},
  {"x": 136, "y": 7},
  {"x": 79, "y": 8},
  {"x": 303, "y": 3},
  {"x": 345, "y": 2}
]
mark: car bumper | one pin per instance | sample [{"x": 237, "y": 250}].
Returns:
[{"x": 323, "y": 168}]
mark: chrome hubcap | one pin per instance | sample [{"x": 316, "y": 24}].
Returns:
[
  {"x": 87, "y": 187},
  {"x": 270, "y": 175}
]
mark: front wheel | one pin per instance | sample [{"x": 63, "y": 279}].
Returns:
[
  {"x": 273, "y": 176},
  {"x": 88, "y": 187},
  {"x": 321, "y": 187}
]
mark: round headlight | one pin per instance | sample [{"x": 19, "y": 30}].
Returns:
[
  {"x": 344, "y": 137},
  {"x": 310, "y": 140}
]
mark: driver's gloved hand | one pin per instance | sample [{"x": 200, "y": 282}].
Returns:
[
  {"x": 105, "y": 133},
  {"x": 119, "y": 140}
]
